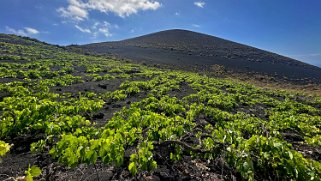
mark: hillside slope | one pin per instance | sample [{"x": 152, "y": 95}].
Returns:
[
  {"x": 68, "y": 116},
  {"x": 189, "y": 50}
]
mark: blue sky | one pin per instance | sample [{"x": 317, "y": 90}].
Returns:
[{"x": 287, "y": 27}]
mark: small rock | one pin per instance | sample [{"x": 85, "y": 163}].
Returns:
[
  {"x": 116, "y": 106},
  {"x": 102, "y": 86},
  {"x": 98, "y": 116},
  {"x": 151, "y": 178}
]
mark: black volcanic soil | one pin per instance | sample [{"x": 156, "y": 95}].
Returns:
[
  {"x": 198, "y": 52},
  {"x": 17, "y": 161}
]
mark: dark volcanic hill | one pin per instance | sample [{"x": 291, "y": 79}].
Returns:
[
  {"x": 195, "y": 51},
  {"x": 19, "y": 40}
]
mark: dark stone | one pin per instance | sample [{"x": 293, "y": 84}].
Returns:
[{"x": 98, "y": 116}]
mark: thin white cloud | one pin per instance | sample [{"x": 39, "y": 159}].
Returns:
[
  {"x": 177, "y": 13},
  {"x": 84, "y": 30},
  {"x": 135, "y": 30},
  {"x": 17, "y": 32},
  {"x": 78, "y": 10},
  {"x": 122, "y": 8},
  {"x": 26, "y": 31},
  {"x": 103, "y": 28},
  {"x": 98, "y": 28},
  {"x": 199, "y": 4},
  {"x": 116, "y": 26},
  {"x": 105, "y": 31},
  {"x": 31, "y": 30},
  {"x": 196, "y": 25},
  {"x": 73, "y": 12}
]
